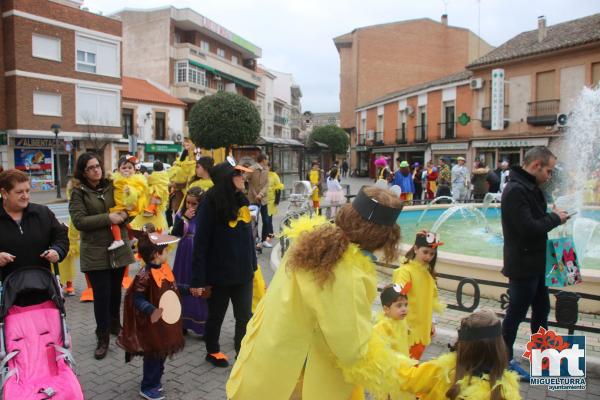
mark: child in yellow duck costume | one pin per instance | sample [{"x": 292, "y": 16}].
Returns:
[
  {"x": 315, "y": 178},
  {"x": 130, "y": 194},
  {"x": 312, "y": 332},
  {"x": 475, "y": 371},
  {"x": 67, "y": 266},
  {"x": 423, "y": 301},
  {"x": 158, "y": 193}
]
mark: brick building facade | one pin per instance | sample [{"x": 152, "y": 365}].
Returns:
[{"x": 61, "y": 66}]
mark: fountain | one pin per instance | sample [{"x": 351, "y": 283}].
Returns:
[
  {"x": 464, "y": 210},
  {"x": 433, "y": 202}
]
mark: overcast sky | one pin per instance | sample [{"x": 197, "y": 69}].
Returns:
[{"x": 296, "y": 36}]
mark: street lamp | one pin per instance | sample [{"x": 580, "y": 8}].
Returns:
[{"x": 56, "y": 129}]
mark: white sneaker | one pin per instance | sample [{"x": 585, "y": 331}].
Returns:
[
  {"x": 116, "y": 244},
  {"x": 267, "y": 244}
]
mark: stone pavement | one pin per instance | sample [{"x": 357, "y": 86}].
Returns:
[{"x": 188, "y": 376}]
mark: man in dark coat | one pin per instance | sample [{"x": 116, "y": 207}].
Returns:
[{"x": 525, "y": 225}]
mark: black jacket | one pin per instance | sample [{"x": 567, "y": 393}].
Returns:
[
  {"x": 525, "y": 225},
  {"x": 223, "y": 255},
  {"x": 39, "y": 231}
]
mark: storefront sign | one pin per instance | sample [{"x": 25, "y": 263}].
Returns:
[
  {"x": 497, "y": 110},
  {"x": 511, "y": 142},
  {"x": 37, "y": 163},
  {"x": 33, "y": 142},
  {"x": 163, "y": 148},
  {"x": 449, "y": 146},
  {"x": 411, "y": 149},
  {"x": 382, "y": 150},
  {"x": 361, "y": 148}
]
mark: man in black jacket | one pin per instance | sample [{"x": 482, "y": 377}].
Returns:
[{"x": 525, "y": 225}]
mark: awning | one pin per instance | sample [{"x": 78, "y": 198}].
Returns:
[
  {"x": 320, "y": 144},
  {"x": 236, "y": 80},
  {"x": 262, "y": 140}
]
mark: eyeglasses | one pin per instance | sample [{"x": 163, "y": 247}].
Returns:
[{"x": 92, "y": 168}]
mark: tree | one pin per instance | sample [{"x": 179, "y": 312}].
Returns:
[
  {"x": 222, "y": 120},
  {"x": 333, "y": 136}
]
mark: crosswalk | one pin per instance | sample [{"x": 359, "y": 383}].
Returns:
[{"x": 61, "y": 211}]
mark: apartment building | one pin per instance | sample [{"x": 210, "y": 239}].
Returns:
[
  {"x": 416, "y": 124},
  {"x": 377, "y": 60},
  {"x": 62, "y": 67},
  {"x": 188, "y": 53},
  {"x": 264, "y": 101},
  {"x": 314, "y": 120},
  {"x": 153, "y": 121},
  {"x": 530, "y": 83}
]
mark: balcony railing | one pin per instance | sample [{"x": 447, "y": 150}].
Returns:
[
  {"x": 447, "y": 130},
  {"x": 379, "y": 138},
  {"x": 362, "y": 140},
  {"x": 486, "y": 117},
  {"x": 278, "y": 119},
  {"x": 401, "y": 135},
  {"x": 421, "y": 134},
  {"x": 542, "y": 112}
]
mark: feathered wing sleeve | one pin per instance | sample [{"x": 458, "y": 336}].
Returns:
[
  {"x": 424, "y": 377},
  {"x": 438, "y": 306},
  {"x": 343, "y": 310}
]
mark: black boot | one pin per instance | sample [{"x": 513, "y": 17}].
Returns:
[
  {"x": 103, "y": 337},
  {"x": 115, "y": 326}
]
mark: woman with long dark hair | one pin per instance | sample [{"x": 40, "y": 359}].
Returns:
[
  {"x": 224, "y": 258},
  {"x": 91, "y": 199}
]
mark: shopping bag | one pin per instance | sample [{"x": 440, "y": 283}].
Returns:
[{"x": 562, "y": 267}]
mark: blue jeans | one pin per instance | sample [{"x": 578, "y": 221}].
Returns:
[
  {"x": 153, "y": 372},
  {"x": 522, "y": 294},
  {"x": 267, "y": 222}
]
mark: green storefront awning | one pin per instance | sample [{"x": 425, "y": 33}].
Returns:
[
  {"x": 163, "y": 148},
  {"x": 237, "y": 81}
]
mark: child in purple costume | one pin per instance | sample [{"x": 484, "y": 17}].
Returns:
[{"x": 194, "y": 309}]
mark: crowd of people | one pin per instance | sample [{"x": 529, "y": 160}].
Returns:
[
  {"x": 312, "y": 334},
  {"x": 420, "y": 184}
]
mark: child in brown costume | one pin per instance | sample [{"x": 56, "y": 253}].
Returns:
[{"x": 149, "y": 330}]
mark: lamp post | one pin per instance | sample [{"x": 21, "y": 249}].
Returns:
[{"x": 56, "y": 129}]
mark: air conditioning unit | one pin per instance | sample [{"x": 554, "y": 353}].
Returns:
[
  {"x": 476, "y": 83},
  {"x": 176, "y": 137},
  {"x": 410, "y": 111},
  {"x": 370, "y": 135},
  {"x": 562, "y": 119}
]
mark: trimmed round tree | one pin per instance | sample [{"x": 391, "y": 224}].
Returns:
[
  {"x": 333, "y": 136},
  {"x": 222, "y": 120}
]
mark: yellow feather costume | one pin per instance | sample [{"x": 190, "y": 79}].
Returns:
[
  {"x": 322, "y": 333},
  {"x": 314, "y": 181},
  {"x": 158, "y": 185},
  {"x": 67, "y": 266},
  {"x": 130, "y": 193},
  {"x": 432, "y": 379},
  {"x": 422, "y": 299},
  {"x": 274, "y": 185}
]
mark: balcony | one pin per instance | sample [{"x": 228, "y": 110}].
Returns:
[
  {"x": 542, "y": 113},
  {"x": 486, "y": 117},
  {"x": 280, "y": 120},
  {"x": 362, "y": 140},
  {"x": 190, "y": 92},
  {"x": 188, "y": 51},
  {"x": 447, "y": 130},
  {"x": 378, "y": 139},
  {"x": 401, "y": 136},
  {"x": 421, "y": 134}
]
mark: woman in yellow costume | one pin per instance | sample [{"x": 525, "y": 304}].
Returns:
[
  {"x": 418, "y": 270},
  {"x": 158, "y": 195},
  {"x": 475, "y": 371},
  {"x": 130, "y": 194},
  {"x": 201, "y": 176},
  {"x": 180, "y": 173},
  {"x": 67, "y": 266},
  {"x": 274, "y": 186},
  {"x": 312, "y": 333},
  {"x": 315, "y": 180}
]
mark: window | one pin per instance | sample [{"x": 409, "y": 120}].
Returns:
[
  {"x": 220, "y": 86},
  {"x": 269, "y": 108},
  {"x": 45, "y": 47},
  {"x": 545, "y": 88},
  {"x": 204, "y": 46},
  {"x": 181, "y": 71},
  {"x": 185, "y": 72},
  {"x": 234, "y": 60},
  {"x": 159, "y": 125},
  {"x": 97, "y": 106},
  {"x": 449, "y": 120},
  {"x": 47, "y": 104},
  {"x": 221, "y": 53},
  {"x": 595, "y": 74},
  {"x": 97, "y": 56},
  {"x": 86, "y": 62},
  {"x": 127, "y": 122}
]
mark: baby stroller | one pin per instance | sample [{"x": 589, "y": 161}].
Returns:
[
  {"x": 34, "y": 339},
  {"x": 299, "y": 200}
]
